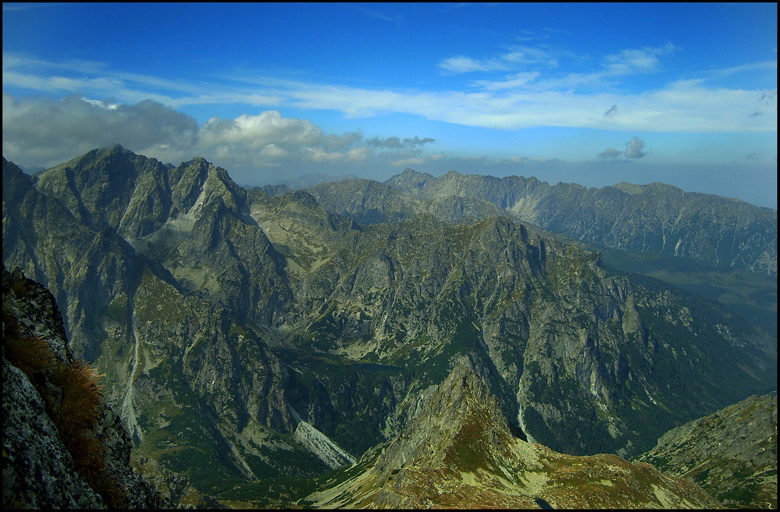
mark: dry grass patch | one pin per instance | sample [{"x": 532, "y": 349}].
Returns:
[{"x": 77, "y": 410}]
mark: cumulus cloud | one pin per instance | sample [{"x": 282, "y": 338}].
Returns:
[
  {"x": 45, "y": 132},
  {"x": 610, "y": 153},
  {"x": 634, "y": 148},
  {"x": 334, "y": 141},
  {"x": 255, "y": 132}
]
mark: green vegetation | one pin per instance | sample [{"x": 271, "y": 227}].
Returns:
[
  {"x": 752, "y": 295},
  {"x": 116, "y": 311},
  {"x": 157, "y": 301}
]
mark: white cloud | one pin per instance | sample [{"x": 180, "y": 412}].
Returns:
[
  {"x": 42, "y": 132},
  {"x": 116, "y": 112},
  {"x": 515, "y": 56},
  {"x": 358, "y": 154},
  {"x": 406, "y": 162},
  {"x": 634, "y": 148},
  {"x": 610, "y": 153},
  {"x": 624, "y": 63},
  {"x": 461, "y": 64},
  {"x": 513, "y": 81},
  {"x": 643, "y": 60},
  {"x": 397, "y": 143},
  {"x": 260, "y": 130},
  {"x": 46, "y": 132}
]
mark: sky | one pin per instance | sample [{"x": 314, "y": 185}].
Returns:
[{"x": 595, "y": 94}]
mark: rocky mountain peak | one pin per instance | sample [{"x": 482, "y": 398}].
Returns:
[
  {"x": 409, "y": 179},
  {"x": 215, "y": 312},
  {"x": 458, "y": 451}
]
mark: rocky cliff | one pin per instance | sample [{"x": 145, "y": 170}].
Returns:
[
  {"x": 63, "y": 447},
  {"x": 654, "y": 218}
]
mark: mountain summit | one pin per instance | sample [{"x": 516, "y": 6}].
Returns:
[{"x": 459, "y": 452}]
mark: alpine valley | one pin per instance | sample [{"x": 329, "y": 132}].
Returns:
[{"x": 455, "y": 341}]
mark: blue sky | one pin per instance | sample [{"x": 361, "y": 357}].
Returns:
[{"x": 596, "y": 94}]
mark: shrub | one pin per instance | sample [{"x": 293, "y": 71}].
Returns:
[
  {"x": 76, "y": 419},
  {"x": 30, "y": 354},
  {"x": 82, "y": 398},
  {"x": 76, "y": 412}
]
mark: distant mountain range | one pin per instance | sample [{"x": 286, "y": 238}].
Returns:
[
  {"x": 256, "y": 339},
  {"x": 655, "y": 218},
  {"x": 310, "y": 179}
]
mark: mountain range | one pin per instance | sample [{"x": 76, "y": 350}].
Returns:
[{"x": 250, "y": 336}]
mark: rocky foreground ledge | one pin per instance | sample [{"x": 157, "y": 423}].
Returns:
[{"x": 63, "y": 447}]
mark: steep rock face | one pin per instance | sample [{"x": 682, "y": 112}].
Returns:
[
  {"x": 665, "y": 220},
  {"x": 459, "y": 452},
  {"x": 732, "y": 454},
  {"x": 111, "y": 187},
  {"x": 300, "y": 229},
  {"x": 370, "y": 202},
  {"x": 544, "y": 317},
  {"x": 38, "y": 470},
  {"x": 82, "y": 265},
  {"x": 164, "y": 315},
  {"x": 201, "y": 392},
  {"x": 163, "y": 212},
  {"x": 45, "y": 463}
]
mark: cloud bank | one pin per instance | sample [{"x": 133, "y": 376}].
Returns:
[{"x": 46, "y": 132}]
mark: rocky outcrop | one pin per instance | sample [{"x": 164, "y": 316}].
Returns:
[
  {"x": 732, "y": 453},
  {"x": 62, "y": 446},
  {"x": 458, "y": 451}
]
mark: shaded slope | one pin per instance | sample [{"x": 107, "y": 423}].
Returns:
[{"x": 655, "y": 218}]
